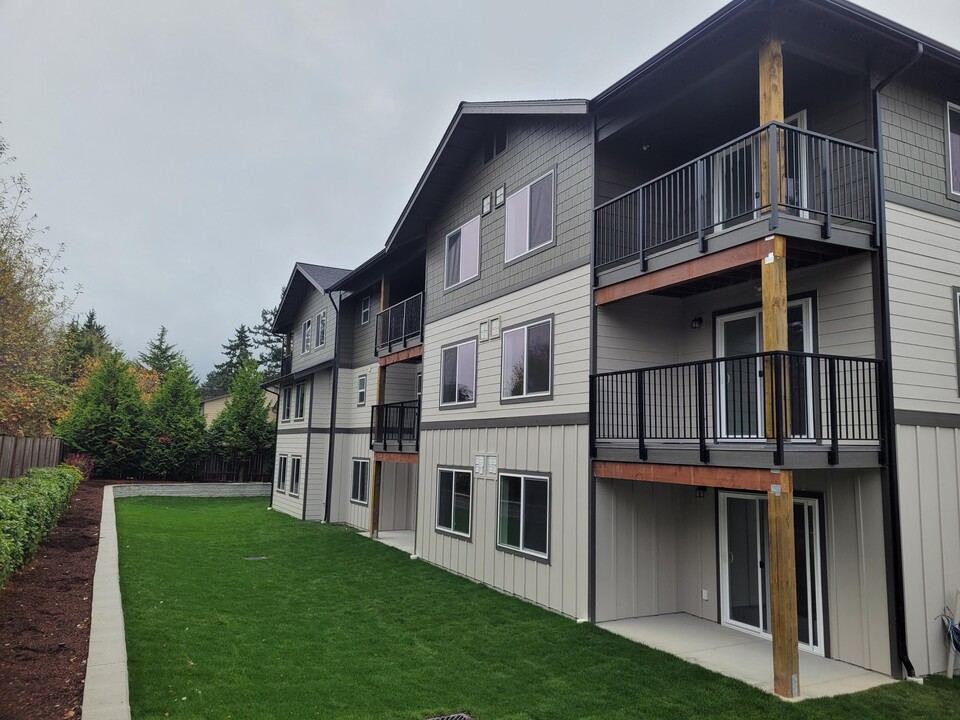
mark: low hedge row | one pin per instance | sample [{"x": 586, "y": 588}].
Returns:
[{"x": 30, "y": 507}]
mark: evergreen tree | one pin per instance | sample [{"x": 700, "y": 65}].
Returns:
[
  {"x": 177, "y": 429},
  {"x": 82, "y": 344},
  {"x": 235, "y": 351},
  {"x": 243, "y": 429},
  {"x": 160, "y": 356},
  {"x": 270, "y": 345},
  {"x": 108, "y": 419}
]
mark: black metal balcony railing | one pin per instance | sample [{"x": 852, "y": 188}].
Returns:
[
  {"x": 816, "y": 178},
  {"x": 286, "y": 365},
  {"x": 823, "y": 399},
  {"x": 400, "y": 324},
  {"x": 396, "y": 426}
]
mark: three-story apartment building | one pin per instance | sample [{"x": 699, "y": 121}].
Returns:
[{"x": 689, "y": 347}]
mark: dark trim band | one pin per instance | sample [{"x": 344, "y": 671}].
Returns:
[
  {"x": 512, "y": 422},
  {"x": 923, "y": 418}
]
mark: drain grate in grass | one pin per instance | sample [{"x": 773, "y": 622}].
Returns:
[
  {"x": 455, "y": 716},
  {"x": 255, "y": 557}
]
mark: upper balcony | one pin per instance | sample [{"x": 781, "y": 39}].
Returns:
[
  {"x": 780, "y": 179},
  {"x": 400, "y": 326},
  {"x": 763, "y": 410},
  {"x": 395, "y": 427}
]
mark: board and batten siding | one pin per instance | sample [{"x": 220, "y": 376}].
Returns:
[
  {"x": 289, "y": 444},
  {"x": 565, "y": 297},
  {"x": 342, "y": 510},
  {"x": 315, "y": 303},
  {"x": 928, "y": 469},
  {"x": 924, "y": 267},
  {"x": 560, "y": 451},
  {"x": 398, "y": 496},
  {"x": 314, "y": 490}
]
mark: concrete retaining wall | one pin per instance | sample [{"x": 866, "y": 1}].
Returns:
[{"x": 193, "y": 490}]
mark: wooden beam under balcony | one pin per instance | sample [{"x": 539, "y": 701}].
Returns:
[
  {"x": 701, "y": 267},
  {"x": 410, "y": 458},
  {"x": 727, "y": 478},
  {"x": 401, "y": 356}
]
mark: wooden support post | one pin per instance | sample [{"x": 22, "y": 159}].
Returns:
[
  {"x": 375, "y": 499},
  {"x": 773, "y": 285},
  {"x": 783, "y": 588},
  {"x": 771, "y": 110}
]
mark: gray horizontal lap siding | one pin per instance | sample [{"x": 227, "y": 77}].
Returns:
[
  {"x": 315, "y": 303},
  {"x": 357, "y": 341},
  {"x": 535, "y": 146}
]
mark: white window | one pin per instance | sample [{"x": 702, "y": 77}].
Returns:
[
  {"x": 526, "y": 360},
  {"x": 282, "y": 473},
  {"x": 365, "y": 310},
  {"x": 362, "y": 390},
  {"x": 322, "y": 328},
  {"x": 301, "y": 401},
  {"x": 458, "y": 373},
  {"x": 295, "y": 475},
  {"x": 529, "y": 222},
  {"x": 285, "y": 405},
  {"x": 462, "y": 259},
  {"x": 453, "y": 501},
  {"x": 523, "y": 521},
  {"x": 361, "y": 477},
  {"x": 305, "y": 337},
  {"x": 953, "y": 147},
  {"x": 419, "y": 384}
]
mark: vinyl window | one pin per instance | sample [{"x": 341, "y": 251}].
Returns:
[
  {"x": 295, "y": 475},
  {"x": 362, "y": 390},
  {"x": 953, "y": 148},
  {"x": 453, "y": 501},
  {"x": 361, "y": 477},
  {"x": 321, "y": 328},
  {"x": 305, "y": 337},
  {"x": 301, "y": 401},
  {"x": 282, "y": 473},
  {"x": 523, "y": 521},
  {"x": 365, "y": 310},
  {"x": 526, "y": 360},
  {"x": 285, "y": 404},
  {"x": 458, "y": 374},
  {"x": 462, "y": 258},
  {"x": 529, "y": 218}
]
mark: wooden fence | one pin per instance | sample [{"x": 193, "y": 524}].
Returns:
[
  {"x": 257, "y": 469},
  {"x": 17, "y": 454}
]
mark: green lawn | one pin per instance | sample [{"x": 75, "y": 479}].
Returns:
[{"x": 331, "y": 625}]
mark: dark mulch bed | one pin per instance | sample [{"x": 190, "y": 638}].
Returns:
[{"x": 45, "y": 617}]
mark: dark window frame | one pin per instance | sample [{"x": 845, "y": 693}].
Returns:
[
  {"x": 527, "y": 397},
  {"x": 521, "y": 551},
  {"x": 364, "y": 485}
]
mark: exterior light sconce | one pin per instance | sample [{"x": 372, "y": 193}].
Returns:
[
  {"x": 701, "y": 492},
  {"x": 696, "y": 323}
]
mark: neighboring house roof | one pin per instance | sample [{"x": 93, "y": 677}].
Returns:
[{"x": 304, "y": 277}]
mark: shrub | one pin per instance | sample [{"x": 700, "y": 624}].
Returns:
[
  {"x": 83, "y": 463},
  {"x": 30, "y": 507}
]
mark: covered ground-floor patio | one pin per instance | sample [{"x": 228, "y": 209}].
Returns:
[
  {"x": 740, "y": 655},
  {"x": 401, "y": 539}
]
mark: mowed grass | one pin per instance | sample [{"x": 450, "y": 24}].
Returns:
[{"x": 331, "y": 625}]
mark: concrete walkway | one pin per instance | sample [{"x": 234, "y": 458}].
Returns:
[
  {"x": 400, "y": 539},
  {"x": 742, "y": 656},
  {"x": 106, "y": 694}
]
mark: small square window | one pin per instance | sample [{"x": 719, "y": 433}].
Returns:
[
  {"x": 458, "y": 374},
  {"x": 462, "y": 259},
  {"x": 282, "y": 473},
  {"x": 300, "y": 407},
  {"x": 453, "y": 501},
  {"x": 305, "y": 337},
  {"x": 365, "y": 310},
  {"x": 295, "y": 475},
  {"x": 361, "y": 477},
  {"x": 362, "y": 390}
]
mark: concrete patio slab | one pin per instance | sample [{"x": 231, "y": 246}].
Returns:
[{"x": 401, "y": 539}]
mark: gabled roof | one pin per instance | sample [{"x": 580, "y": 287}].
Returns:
[{"x": 303, "y": 277}]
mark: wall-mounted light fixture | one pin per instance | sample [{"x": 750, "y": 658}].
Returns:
[{"x": 696, "y": 323}]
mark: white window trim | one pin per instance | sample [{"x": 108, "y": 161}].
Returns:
[
  {"x": 457, "y": 346},
  {"x": 296, "y": 401},
  {"x": 446, "y": 252},
  {"x": 365, "y": 309},
  {"x": 361, "y": 389},
  {"x": 321, "y": 323},
  {"x": 526, "y": 356},
  {"x": 360, "y": 461},
  {"x": 418, "y": 386},
  {"x": 286, "y": 404},
  {"x": 450, "y": 530},
  {"x": 523, "y": 495},
  {"x": 298, "y": 460},
  {"x": 951, "y": 190},
  {"x": 305, "y": 336},
  {"x": 553, "y": 219},
  {"x": 281, "y": 478}
]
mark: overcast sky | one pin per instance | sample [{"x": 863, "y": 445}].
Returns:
[{"x": 188, "y": 152}]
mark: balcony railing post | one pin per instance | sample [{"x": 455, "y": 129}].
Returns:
[
  {"x": 702, "y": 204},
  {"x": 641, "y": 416},
  {"x": 833, "y": 457},
  {"x": 373, "y": 425},
  {"x": 403, "y": 413},
  {"x": 875, "y": 181},
  {"x": 640, "y": 233},
  {"x": 826, "y": 167},
  {"x": 702, "y": 412},
  {"x": 773, "y": 175},
  {"x": 594, "y": 415},
  {"x": 777, "y": 360}
]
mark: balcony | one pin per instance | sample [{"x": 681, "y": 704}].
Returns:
[
  {"x": 400, "y": 326},
  {"x": 395, "y": 427},
  {"x": 824, "y": 191},
  {"x": 286, "y": 365},
  {"x": 774, "y": 409}
]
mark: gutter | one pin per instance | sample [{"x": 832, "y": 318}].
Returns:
[
  {"x": 335, "y": 376},
  {"x": 890, "y": 426}
]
